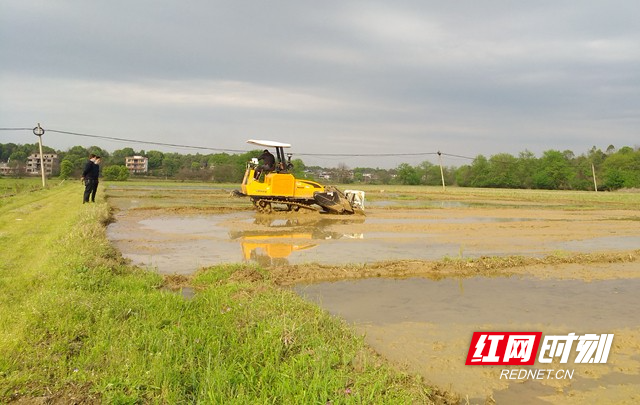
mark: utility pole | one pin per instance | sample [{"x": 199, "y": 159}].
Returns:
[
  {"x": 38, "y": 131},
  {"x": 441, "y": 171}
]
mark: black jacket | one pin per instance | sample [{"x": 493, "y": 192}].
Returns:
[
  {"x": 91, "y": 170},
  {"x": 268, "y": 159}
]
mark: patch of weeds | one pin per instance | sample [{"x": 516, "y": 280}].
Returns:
[{"x": 224, "y": 273}]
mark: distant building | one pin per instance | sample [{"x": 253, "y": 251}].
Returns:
[
  {"x": 5, "y": 169},
  {"x": 137, "y": 164},
  {"x": 51, "y": 164}
]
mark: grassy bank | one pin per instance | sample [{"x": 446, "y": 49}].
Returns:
[
  {"x": 78, "y": 324},
  {"x": 11, "y": 187}
]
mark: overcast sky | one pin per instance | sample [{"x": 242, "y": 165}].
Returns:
[{"x": 462, "y": 77}]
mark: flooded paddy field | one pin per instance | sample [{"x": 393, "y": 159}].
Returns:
[
  {"x": 426, "y": 268},
  {"x": 424, "y": 325},
  {"x": 202, "y": 229}
]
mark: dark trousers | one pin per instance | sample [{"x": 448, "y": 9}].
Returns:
[
  {"x": 90, "y": 189},
  {"x": 260, "y": 169}
]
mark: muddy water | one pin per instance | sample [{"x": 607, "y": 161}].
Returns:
[
  {"x": 182, "y": 244},
  {"x": 175, "y": 244},
  {"x": 426, "y": 326}
]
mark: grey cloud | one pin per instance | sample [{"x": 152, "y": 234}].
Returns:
[{"x": 473, "y": 77}]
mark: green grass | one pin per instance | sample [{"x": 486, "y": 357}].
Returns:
[
  {"x": 11, "y": 186},
  {"x": 79, "y": 324}
]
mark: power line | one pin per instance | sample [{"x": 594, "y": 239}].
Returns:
[
  {"x": 146, "y": 142},
  {"x": 458, "y": 156},
  {"x": 366, "y": 154},
  {"x": 220, "y": 149},
  {"x": 111, "y": 138},
  {"x": 325, "y": 155},
  {"x": 174, "y": 145}
]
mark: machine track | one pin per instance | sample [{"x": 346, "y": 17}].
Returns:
[{"x": 264, "y": 205}]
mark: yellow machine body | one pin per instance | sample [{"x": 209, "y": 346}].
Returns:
[{"x": 279, "y": 185}]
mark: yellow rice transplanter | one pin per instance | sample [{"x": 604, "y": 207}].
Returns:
[{"x": 279, "y": 187}]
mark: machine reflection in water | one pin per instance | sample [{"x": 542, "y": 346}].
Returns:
[{"x": 282, "y": 237}]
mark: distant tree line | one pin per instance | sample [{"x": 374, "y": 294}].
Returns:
[
  {"x": 554, "y": 170},
  {"x": 219, "y": 167}
]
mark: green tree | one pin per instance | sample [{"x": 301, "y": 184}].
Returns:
[
  {"x": 3, "y": 152},
  {"x": 124, "y": 174},
  {"x": 298, "y": 168},
  {"x": 19, "y": 156},
  {"x": 429, "y": 173},
  {"x": 155, "y": 159},
  {"x": 596, "y": 156},
  {"x": 581, "y": 177},
  {"x": 614, "y": 179},
  {"x": 220, "y": 159},
  {"x": 170, "y": 164},
  {"x": 384, "y": 176},
  {"x": 77, "y": 155},
  {"x": 502, "y": 171},
  {"x": 526, "y": 168},
  {"x": 476, "y": 175},
  {"x": 115, "y": 173},
  {"x": 554, "y": 171},
  {"x": 66, "y": 169},
  {"x": 98, "y": 151},
  {"x": 118, "y": 156},
  {"x": 408, "y": 174},
  {"x": 6, "y": 151},
  {"x": 622, "y": 169},
  {"x": 227, "y": 173},
  {"x": 463, "y": 176}
]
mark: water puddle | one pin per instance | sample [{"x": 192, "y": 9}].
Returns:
[
  {"x": 427, "y": 325},
  {"x": 173, "y": 244},
  {"x": 604, "y": 243},
  {"x": 183, "y": 244}
]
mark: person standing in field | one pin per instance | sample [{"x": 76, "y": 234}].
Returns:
[
  {"x": 90, "y": 177},
  {"x": 96, "y": 169}
]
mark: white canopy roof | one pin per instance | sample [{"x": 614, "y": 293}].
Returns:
[{"x": 271, "y": 144}]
